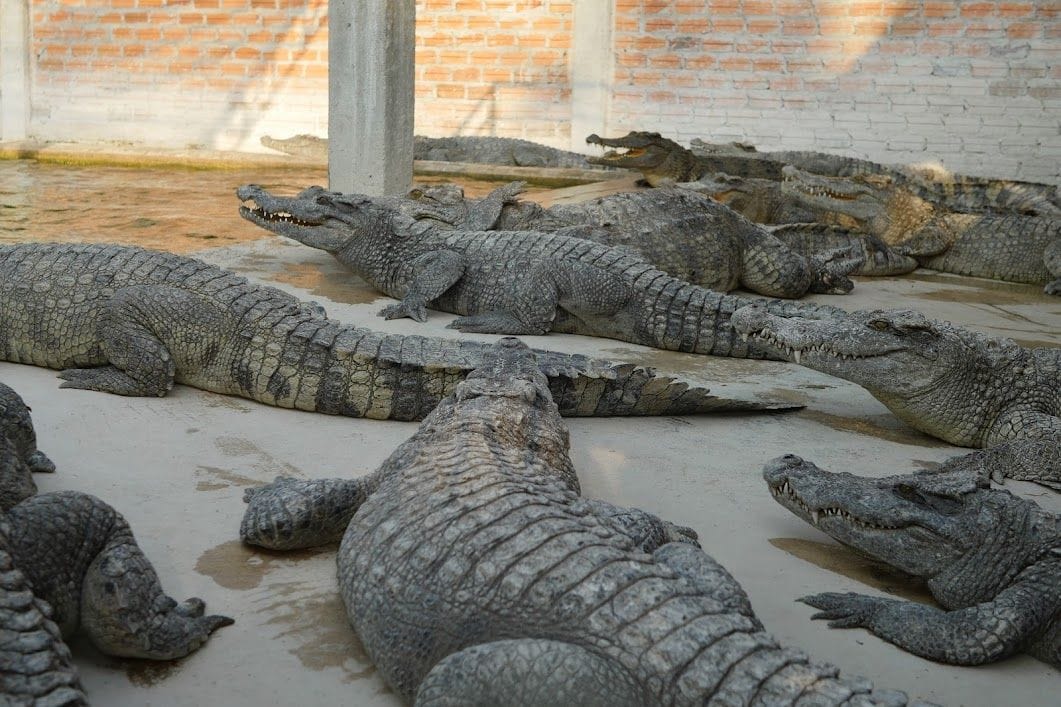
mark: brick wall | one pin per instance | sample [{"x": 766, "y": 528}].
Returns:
[{"x": 974, "y": 85}]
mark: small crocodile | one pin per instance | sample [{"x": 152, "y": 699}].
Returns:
[
  {"x": 991, "y": 559},
  {"x": 663, "y": 162},
  {"x": 475, "y": 574},
  {"x": 131, "y": 321},
  {"x": 1012, "y": 247},
  {"x": 682, "y": 233},
  {"x": 508, "y": 282},
  {"x": 461, "y": 148},
  {"x": 963, "y": 387},
  {"x": 69, "y": 562}
]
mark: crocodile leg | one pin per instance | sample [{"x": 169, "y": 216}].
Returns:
[
  {"x": 294, "y": 513},
  {"x": 527, "y": 671},
  {"x": 436, "y": 272},
  {"x": 1035, "y": 460},
  {"x": 125, "y": 612},
  {"x": 975, "y": 635},
  {"x": 133, "y": 330},
  {"x": 649, "y": 532}
]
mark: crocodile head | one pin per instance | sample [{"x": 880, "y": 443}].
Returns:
[
  {"x": 934, "y": 377},
  {"x": 949, "y": 528},
  {"x": 661, "y": 161},
  {"x": 872, "y": 203},
  {"x": 317, "y": 217}
]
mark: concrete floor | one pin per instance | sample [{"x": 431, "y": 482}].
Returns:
[{"x": 177, "y": 467}]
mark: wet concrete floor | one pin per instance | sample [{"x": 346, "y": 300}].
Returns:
[{"x": 177, "y": 466}]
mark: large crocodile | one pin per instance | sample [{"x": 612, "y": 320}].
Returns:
[
  {"x": 963, "y": 387},
  {"x": 991, "y": 559},
  {"x": 1013, "y": 247},
  {"x": 663, "y": 161},
  {"x": 132, "y": 321},
  {"x": 69, "y": 562},
  {"x": 475, "y": 574},
  {"x": 682, "y": 233},
  {"x": 508, "y": 282},
  {"x": 479, "y": 149}
]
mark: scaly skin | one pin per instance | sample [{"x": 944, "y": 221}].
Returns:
[
  {"x": 686, "y": 235},
  {"x": 992, "y": 560},
  {"x": 474, "y": 574},
  {"x": 19, "y": 456},
  {"x": 965, "y": 388},
  {"x": 68, "y": 561},
  {"x": 877, "y": 257},
  {"x": 1012, "y": 247},
  {"x": 953, "y": 192},
  {"x": 461, "y": 148},
  {"x": 133, "y": 322},
  {"x": 508, "y": 282}
]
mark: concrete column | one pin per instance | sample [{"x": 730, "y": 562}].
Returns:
[
  {"x": 14, "y": 69},
  {"x": 592, "y": 69},
  {"x": 370, "y": 95}
]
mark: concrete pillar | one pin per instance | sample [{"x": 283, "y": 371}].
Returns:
[
  {"x": 370, "y": 95},
  {"x": 14, "y": 69},
  {"x": 592, "y": 69}
]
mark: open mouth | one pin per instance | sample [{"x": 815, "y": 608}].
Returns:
[
  {"x": 252, "y": 211},
  {"x": 818, "y": 191},
  {"x": 796, "y": 352},
  {"x": 784, "y": 490}
]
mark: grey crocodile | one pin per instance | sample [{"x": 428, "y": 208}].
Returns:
[
  {"x": 1012, "y": 247},
  {"x": 508, "y": 282},
  {"x": 955, "y": 192},
  {"x": 68, "y": 563},
  {"x": 663, "y": 162},
  {"x": 963, "y": 387},
  {"x": 133, "y": 322},
  {"x": 876, "y": 257},
  {"x": 461, "y": 148},
  {"x": 682, "y": 233},
  {"x": 991, "y": 559},
  {"x": 475, "y": 574}
]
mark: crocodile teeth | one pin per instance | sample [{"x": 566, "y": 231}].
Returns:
[
  {"x": 795, "y": 355},
  {"x": 814, "y": 517}
]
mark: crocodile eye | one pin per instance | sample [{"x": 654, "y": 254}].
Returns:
[
  {"x": 909, "y": 493},
  {"x": 878, "y": 324}
]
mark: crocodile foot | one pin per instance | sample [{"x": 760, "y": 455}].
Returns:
[
  {"x": 847, "y": 609},
  {"x": 1053, "y": 288},
  {"x": 108, "y": 379},
  {"x": 416, "y": 312}
]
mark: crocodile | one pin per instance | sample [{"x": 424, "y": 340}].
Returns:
[
  {"x": 963, "y": 387},
  {"x": 663, "y": 161},
  {"x": 684, "y": 234},
  {"x": 992, "y": 560},
  {"x": 461, "y": 148},
  {"x": 509, "y": 282},
  {"x": 132, "y": 321},
  {"x": 474, "y": 573},
  {"x": 955, "y": 192},
  {"x": 19, "y": 456},
  {"x": 69, "y": 563},
  {"x": 1011, "y": 247}
]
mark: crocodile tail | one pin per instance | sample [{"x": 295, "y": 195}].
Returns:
[
  {"x": 37, "y": 666},
  {"x": 674, "y": 315}
]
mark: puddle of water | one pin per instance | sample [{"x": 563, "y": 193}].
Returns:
[
  {"x": 883, "y": 427},
  {"x": 318, "y": 623},
  {"x": 846, "y": 562},
  {"x": 976, "y": 290},
  {"x": 266, "y": 463},
  {"x": 336, "y": 285},
  {"x": 175, "y": 209},
  {"x": 147, "y": 673},
  {"x": 234, "y": 565},
  {"x": 211, "y": 478}
]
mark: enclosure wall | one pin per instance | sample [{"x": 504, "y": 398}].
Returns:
[{"x": 973, "y": 85}]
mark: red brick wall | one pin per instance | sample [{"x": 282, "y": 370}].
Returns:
[{"x": 975, "y": 85}]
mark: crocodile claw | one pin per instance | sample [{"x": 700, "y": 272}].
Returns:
[
  {"x": 847, "y": 609},
  {"x": 416, "y": 312}
]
